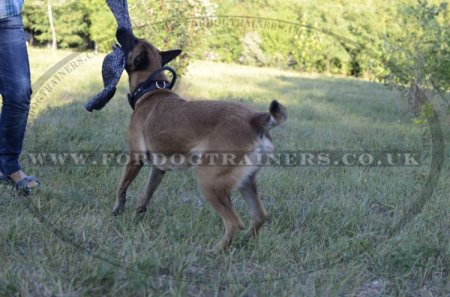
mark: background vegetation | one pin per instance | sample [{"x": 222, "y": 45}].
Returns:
[
  {"x": 404, "y": 42},
  {"x": 370, "y": 24}
]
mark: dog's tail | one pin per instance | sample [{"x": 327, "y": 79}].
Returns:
[{"x": 267, "y": 120}]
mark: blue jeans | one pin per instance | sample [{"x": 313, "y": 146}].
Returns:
[{"x": 15, "y": 88}]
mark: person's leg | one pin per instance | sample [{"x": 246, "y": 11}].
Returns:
[{"x": 15, "y": 88}]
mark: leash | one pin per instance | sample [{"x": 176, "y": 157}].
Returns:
[{"x": 150, "y": 84}]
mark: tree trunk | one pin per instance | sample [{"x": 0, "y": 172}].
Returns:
[
  {"x": 52, "y": 27},
  {"x": 416, "y": 98}
]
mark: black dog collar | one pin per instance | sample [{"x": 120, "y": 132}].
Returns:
[{"x": 151, "y": 84}]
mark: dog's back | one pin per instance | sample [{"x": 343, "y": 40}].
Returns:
[{"x": 171, "y": 124}]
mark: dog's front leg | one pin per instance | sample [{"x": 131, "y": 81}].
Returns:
[
  {"x": 131, "y": 171},
  {"x": 154, "y": 180}
]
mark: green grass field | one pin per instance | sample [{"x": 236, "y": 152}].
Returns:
[{"x": 333, "y": 230}]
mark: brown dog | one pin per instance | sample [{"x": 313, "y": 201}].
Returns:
[{"x": 165, "y": 124}]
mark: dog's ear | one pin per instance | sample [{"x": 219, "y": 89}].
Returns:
[
  {"x": 168, "y": 56},
  {"x": 141, "y": 61}
]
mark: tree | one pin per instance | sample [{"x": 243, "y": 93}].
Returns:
[
  {"x": 172, "y": 24},
  {"x": 62, "y": 20},
  {"x": 72, "y": 24},
  {"x": 52, "y": 27},
  {"x": 36, "y": 21},
  {"x": 417, "y": 51},
  {"x": 101, "y": 24}
]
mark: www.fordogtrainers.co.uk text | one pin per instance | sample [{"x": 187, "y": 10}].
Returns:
[{"x": 176, "y": 159}]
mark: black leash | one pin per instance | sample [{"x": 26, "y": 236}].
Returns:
[{"x": 151, "y": 84}]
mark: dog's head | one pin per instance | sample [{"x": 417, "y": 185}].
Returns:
[{"x": 142, "y": 58}]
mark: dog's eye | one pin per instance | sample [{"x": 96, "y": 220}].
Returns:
[{"x": 141, "y": 61}]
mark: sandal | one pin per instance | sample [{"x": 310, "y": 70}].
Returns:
[{"x": 22, "y": 185}]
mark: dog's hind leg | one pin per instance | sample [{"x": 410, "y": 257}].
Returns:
[
  {"x": 250, "y": 193},
  {"x": 217, "y": 193},
  {"x": 131, "y": 171},
  {"x": 154, "y": 180}
]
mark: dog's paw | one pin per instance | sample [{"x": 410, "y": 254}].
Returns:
[
  {"x": 118, "y": 210},
  {"x": 141, "y": 210}
]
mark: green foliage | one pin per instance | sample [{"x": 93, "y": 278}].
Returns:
[
  {"x": 417, "y": 43},
  {"x": 222, "y": 42},
  {"x": 102, "y": 25},
  {"x": 300, "y": 34},
  {"x": 417, "y": 50},
  {"x": 394, "y": 40},
  {"x": 172, "y": 24},
  {"x": 425, "y": 114},
  {"x": 70, "y": 20},
  {"x": 35, "y": 20}
]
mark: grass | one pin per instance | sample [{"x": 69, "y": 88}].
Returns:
[{"x": 331, "y": 230}]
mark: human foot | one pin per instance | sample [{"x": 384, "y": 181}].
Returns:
[
  {"x": 23, "y": 182},
  {"x": 19, "y": 176}
]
